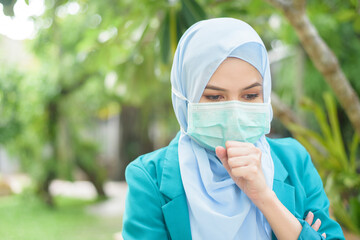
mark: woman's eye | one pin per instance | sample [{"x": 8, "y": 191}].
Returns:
[
  {"x": 213, "y": 97},
  {"x": 251, "y": 96}
]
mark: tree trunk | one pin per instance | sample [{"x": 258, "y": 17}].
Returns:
[
  {"x": 50, "y": 161},
  {"x": 299, "y": 81},
  {"x": 44, "y": 189},
  {"x": 322, "y": 57},
  {"x": 134, "y": 136},
  {"x": 94, "y": 177}
]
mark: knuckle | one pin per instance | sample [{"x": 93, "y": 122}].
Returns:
[
  {"x": 231, "y": 162},
  {"x": 230, "y": 152},
  {"x": 254, "y": 158},
  {"x": 234, "y": 172},
  {"x": 254, "y": 169}
]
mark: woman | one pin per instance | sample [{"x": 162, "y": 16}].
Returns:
[{"x": 221, "y": 178}]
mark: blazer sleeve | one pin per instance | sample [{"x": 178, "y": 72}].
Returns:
[
  {"x": 143, "y": 217},
  {"x": 317, "y": 202}
]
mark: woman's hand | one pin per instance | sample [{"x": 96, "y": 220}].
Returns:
[
  {"x": 310, "y": 218},
  {"x": 243, "y": 162}
]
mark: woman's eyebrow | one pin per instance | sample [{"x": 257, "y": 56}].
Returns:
[
  {"x": 252, "y": 85},
  {"x": 214, "y": 88},
  {"x": 224, "y": 90}
]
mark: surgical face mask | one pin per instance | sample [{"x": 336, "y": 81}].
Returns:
[{"x": 212, "y": 124}]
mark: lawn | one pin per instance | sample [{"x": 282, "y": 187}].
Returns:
[{"x": 26, "y": 218}]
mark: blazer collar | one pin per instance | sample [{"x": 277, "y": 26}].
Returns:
[
  {"x": 171, "y": 183},
  {"x": 284, "y": 191},
  {"x": 175, "y": 211},
  {"x": 280, "y": 172}
]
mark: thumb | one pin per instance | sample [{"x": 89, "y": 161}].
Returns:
[{"x": 221, "y": 153}]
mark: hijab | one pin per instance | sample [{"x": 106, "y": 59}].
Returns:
[{"x": 218, "y": 209}]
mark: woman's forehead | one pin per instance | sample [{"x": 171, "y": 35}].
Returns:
[{"x": 234, "y": 73}]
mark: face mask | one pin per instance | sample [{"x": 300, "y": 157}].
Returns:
[{"x": 212, "y": 124}]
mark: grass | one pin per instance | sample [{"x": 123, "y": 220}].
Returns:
[{"x": 26, "y": 218}]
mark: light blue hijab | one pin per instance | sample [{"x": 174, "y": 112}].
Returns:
[{"x": 218, "y": 209}]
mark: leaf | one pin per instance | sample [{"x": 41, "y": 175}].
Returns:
[
  {"x": 27, "y": 2},
  {"x": 165, "y": 38},
  {"x": 353, "y": 152},
  {"x": 194, "y": 11},
  {"x": 181, "y": 24},
  {"x": 354, "y": 205},
  {"x": 338, "y": 141},
  {"x": 357, "y": 24},
  {"x": 345, "y": 15},
  {"x": 355, "y": 3},
  {"x": 320, "y": 116},
  {"x": 173, "y": 32},
  {"x": 342, "y": 216},
  {"x": 307, "y": 133},
  {"x": 187, "y": 15}
]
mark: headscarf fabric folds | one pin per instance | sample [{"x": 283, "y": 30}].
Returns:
[{"x": 218, "y": 209}]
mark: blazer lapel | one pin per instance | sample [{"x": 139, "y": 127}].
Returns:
[
  {"x": 284, "y": 191},
  {"x": 177, "y": 218},
  {"x": 175, "y": 210}
]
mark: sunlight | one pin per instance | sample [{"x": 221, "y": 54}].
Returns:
[{"x": 21, "y": 26}]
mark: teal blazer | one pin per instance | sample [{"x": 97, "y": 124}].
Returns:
[{"x": 156, "y": 206}]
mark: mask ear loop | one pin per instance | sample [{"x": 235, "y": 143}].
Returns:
[{"x": 179, "y": 95}]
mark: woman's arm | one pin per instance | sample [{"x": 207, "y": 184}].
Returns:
[
  {"x": 243, "y": 162},
  {"x": 316, "y": 200},
  {"x": 282, "y": 222}
]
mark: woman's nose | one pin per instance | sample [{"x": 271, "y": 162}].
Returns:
[{"x": 234, "y": 97}]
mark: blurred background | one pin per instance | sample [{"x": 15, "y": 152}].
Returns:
[{"x": 85, "y": 89}]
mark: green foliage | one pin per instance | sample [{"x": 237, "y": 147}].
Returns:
[
  {"x": 177, "y": 20},
  {"x": 336, "y": 164},
  {"x": 8, "y": 7},
  {"x": 113, "y": 54},
  {"x": 10, "y": 94},
  {"x": 22, "y": 131},
  {"x": 336, "y": 22},
  {"x": 91, "y": 64}
]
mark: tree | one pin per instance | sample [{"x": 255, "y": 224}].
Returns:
[
  {"x": 114, "y": 57},
  {"x": 323, "y": 58}
]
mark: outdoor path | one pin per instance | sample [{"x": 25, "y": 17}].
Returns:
[{"x": 112, "y": 207}]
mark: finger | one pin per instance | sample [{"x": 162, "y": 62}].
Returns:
[
  {"x": 324, "y": 235},
  {"x": 241, "y": 151},
  {"x": 247, "y": 172},
  {"x": 309, "y": 218},
  {"x": 222, "y": 155},
  {"x": 316, "y": 225},
  {"x": 238, "y": 144},
  {"x": 240, "y": 161}
]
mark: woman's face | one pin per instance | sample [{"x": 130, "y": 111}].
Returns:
[{"x": 234, "y": 79}]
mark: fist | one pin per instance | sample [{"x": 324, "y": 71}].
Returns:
[{"x": 243, "y": 163}]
